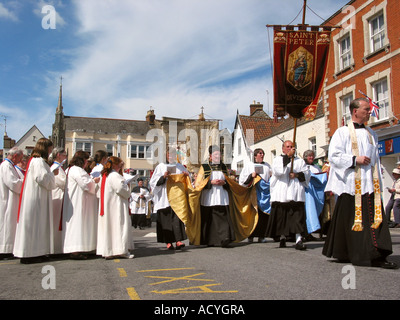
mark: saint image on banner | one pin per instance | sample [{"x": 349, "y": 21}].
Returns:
[{"x": 300, "y": 67}]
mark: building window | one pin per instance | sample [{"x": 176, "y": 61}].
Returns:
[
  {"x": 345, "y": 52},
  {"x": 133, "y": 151},
  {"x": 109, "y": 149},
  {"x": 148, "y": 152},
  {"x": 239, "y": 144},
  {"x": 312, "y": 142},
  {"x": 377, "y": 32},
  {"x": 381, "y": 97},
  {"x": 345, "y": 106},
  {"x": 84, "y": 146},
  {"x": 140, "y": 152},
  {"x": 141, "y": 172}
]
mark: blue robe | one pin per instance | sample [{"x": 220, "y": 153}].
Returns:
[
  {"x": 315, "y": 198},
  {"x": 263, "y": 196}
]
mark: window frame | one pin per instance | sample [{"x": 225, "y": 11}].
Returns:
[
  {"x": 379, "y": 100},
  {"x": 381, "y": 32},
  {"x": 347, "y": 55},
  {"x": 142, "y": 151}
]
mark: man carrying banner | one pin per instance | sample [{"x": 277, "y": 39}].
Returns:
[
  {"x": 288, "y": 185},
  {"x": 358, "y": 231}
]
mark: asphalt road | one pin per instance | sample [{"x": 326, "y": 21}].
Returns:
[{"x": 258, "y": 271}]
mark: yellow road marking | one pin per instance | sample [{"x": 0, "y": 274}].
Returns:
[
  {"x": 165, "y": 269},
  {"x": 122, "y": 272},
  {"x": 171, "y": 279},
  {"x": 195, "y": 289},
  {"x": 200, "y": 289},
  {"x": 133, "y": 294},
  {"x": 9, "y": 262}
]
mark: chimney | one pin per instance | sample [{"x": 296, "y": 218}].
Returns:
[
  {"x": 255, "y": 107},
  {"x": 150, "y": 117},
  {"x": 201, "y": 115},
  {"x": 8, "y": 143}
]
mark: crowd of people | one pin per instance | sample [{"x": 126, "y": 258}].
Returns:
[
  {"x": 90, "y": 207},
  {"x": 79, "y": 211}
]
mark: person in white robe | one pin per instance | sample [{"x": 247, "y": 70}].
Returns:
[
  {"x": 217, "y": 228},
  {"x": 99, "y": 159},
  {"x": 21, "y": 166},
  {"x": 170, "y": 228},
  {"x": 79, "y": 217},
  {"x": 358, "y": 232},
  {"x": 33, "y": 233},
  {"x": 247, "y": 175},
  {"x": 97, "y": 166},
  {"x": 58, "y": 157},
  {"x": 114, "y": 238},
  {"x": 10, "y": 189},
  {"x": 288, "y": 196},
  {"x": 139, "y": 204}
]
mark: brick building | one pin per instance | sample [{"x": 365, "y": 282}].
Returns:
[{"x": 364, "y": 56}]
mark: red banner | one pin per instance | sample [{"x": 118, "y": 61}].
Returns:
[{"x": 300, "y": 61}]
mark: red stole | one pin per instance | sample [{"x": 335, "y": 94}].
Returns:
[{"x": 103, "y": 183}]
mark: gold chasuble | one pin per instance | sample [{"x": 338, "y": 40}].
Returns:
[{"x": 185, "y": 201}]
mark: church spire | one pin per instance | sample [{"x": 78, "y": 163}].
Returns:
[
  {"x": 58, "y": 134},
  {"x": 60, "y": 106}
]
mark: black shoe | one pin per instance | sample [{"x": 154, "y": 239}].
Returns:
[
  {"x": 225, "y": 243},
  {"x": 384, "y": 264},
  {"x": 31, "y": 260},
  {"x": 300, "y": 246},
  {"x": 310, "y": 237},
  {"x": 282, "y": 243},
  {"x": 180, "y": 245},
  {"x": 78, "y": 256},
  {"x": 6, "y": 256}
]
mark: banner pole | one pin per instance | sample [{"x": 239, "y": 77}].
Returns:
[
  {"x": 294, "y": 143},
  {"x": 304, "y": 12},
  {"x": 295, "y": 119}
]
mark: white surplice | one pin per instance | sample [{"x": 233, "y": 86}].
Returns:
[
  {"x": 248, "y": 169},
  {"x": 114, "y": 236},
  {"x": 341, "y": 176},
  {"x": 139, "y": 205},
  {"x": 216, "y": 195},
  {"x": 160, "y": 197},
  {"x": 58, "y": 196},
  {"x": 10, "y": 189},
  {"x": 79, "y": 216},
  {"x": 284, "y": 189},
  {"x": 33, "y": 234}
]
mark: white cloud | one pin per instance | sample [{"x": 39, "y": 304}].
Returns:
[
  {"x": 7, "y": 14},
  {"x": 173, "y": 49},
  {"x": 173, "y": 55}
]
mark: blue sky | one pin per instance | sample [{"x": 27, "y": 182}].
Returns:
[{"x": 119, "y": 57}]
